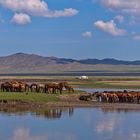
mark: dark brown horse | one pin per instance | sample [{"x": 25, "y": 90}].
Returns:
[
  {"x": 55, "y": 87},
  {"x": 6, "y": 87},
  {"x": 50, "y": 88}
]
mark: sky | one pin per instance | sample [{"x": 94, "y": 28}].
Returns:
[{"x": 71, "y": 28}]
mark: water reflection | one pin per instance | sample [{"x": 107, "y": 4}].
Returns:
[
  {"x": 69, "y": 124},
  {"x": 93, "y": 90},
  {"x": 54, "y": 113},
  {"x": 119, "y": 110},
  {"x": 49, "y": 113},
  {"x": 24, "y": 134}
]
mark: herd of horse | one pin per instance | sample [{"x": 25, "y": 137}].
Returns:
[
  {"x": 53, "y": 87},
  {"x": 113, "y": 97},
  {"x": 118, "y": 96}
]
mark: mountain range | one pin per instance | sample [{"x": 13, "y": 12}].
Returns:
[{"x": 32, "y": 63}]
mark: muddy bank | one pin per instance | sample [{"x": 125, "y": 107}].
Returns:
[{"x": 28, "y": 105}]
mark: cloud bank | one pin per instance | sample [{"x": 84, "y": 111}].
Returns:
[
  {"x": 36, "y": 8},
  {"x": 124, "y": 6}
]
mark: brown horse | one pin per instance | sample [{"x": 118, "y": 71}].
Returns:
[
  {"x": 24, "y": 86},
  {"x": 69, "y": 88},
  {"x": 112, "y": 98},
  {"x": 41, "y": 88},
  {"x": 6, "y": 87},
  {"x": 16, "y": 86},
  {"x": 34, "y": 87},
  {"x": 50, "y": 88},
  {"x": 55, "y": 87}
]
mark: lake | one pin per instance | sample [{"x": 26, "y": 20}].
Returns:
[
  {"x": 78, "y": 73},
  {"x": 70, "y": 124},
  {"x": 92, "y": 90}
]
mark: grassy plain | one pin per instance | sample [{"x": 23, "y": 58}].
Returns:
[
  {"x": 66, "y": 98},
  {"x": 132, "y": 82},
  {"x": 109, "y": 82}
]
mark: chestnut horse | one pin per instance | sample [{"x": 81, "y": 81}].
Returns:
[{"x": 55, "y": 87}]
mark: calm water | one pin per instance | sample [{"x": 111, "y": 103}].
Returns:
[
  {"x": 92, "y": 90},
  {"x": 70, "y": 124},
  {"x": 88, "y": 73}
]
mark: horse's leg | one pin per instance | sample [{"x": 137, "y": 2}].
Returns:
[
  {"x": 60, "y": 90},
  {"x": 54, "y": 90}
]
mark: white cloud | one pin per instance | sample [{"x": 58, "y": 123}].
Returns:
[
  {"x": 109, "y": 27},
  {"x": 21, "y": 19},
  {"x": 135, "y": 135},
  {"x": 137, "y": 37},
  {"x": 87, "y": 34},
  {"x": 36, "y": 8},
  {"x": 120, "y": 18},
  {"x": 105, "y": 126},
  {"x": 123, "y": 6},
  {"x": 24, "y": 134},
  {"x": 61, "y": 13}
]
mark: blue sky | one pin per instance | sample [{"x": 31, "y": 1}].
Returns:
[{"x": 71, "y": 28}]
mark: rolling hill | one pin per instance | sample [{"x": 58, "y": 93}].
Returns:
[{"x": 31, "y": 63}]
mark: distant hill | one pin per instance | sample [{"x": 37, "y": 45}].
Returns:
[{"x": 31, "y": 63}]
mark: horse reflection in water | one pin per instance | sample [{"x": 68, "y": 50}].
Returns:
[
  {"x": 55, "y": 113},
  {"x": 119, "y": 110}
]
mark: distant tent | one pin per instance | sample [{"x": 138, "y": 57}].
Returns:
[{"x": 83, "y": 77}]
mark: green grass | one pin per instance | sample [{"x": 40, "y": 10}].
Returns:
[
  {"x": 106, "y": 82},
  {"x": 33, "y": 97},
  {"x": 105, "y": 85},
  {"x": 109, "y": 85}
]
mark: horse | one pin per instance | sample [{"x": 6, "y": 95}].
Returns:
[
  {"x": 41, "y": 88},
  {"x": 50, "y": 88},
  {"x": 24, "y": 86},
  {"x": 34, "y": 87},
  {"x": 6, "y": 87},
  {"x": 69, "y": 88},
  {"x": 16, "y": 86},
  {"x": 112, "y": 97},
  {"x": 55, "y": 87}
]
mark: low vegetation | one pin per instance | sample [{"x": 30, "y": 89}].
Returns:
[
  {"x": 108, "y": 82},
  {"x": 34, "y": 97}
]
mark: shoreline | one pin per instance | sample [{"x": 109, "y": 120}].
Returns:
[
  {"x": 64, "y": 100},
  {"x": 66, "y": 104}
]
